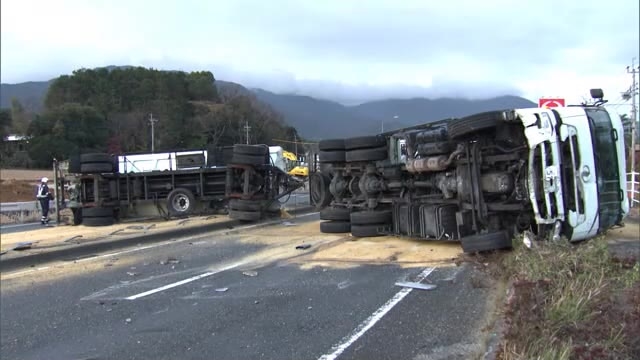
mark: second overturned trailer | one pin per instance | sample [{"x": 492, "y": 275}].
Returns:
[{"x": 479, "y": 179}]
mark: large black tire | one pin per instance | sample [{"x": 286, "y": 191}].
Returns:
[
  {"x": 365, "y": 142},
  {"x": 371, "y": 217},
  {"x": 241, "y": 159},
  {"x": 97, "y": 216},
  {"x": 96, "y": 158},
  {"x": 245, "y": 205},
  {"x": 371, "y": 230},
  {"x": 98, "y": 221},
  {"x": 319, "y": 190},
  {"x": 74, "y": 164},
  {"x": 96, "y": 168},
  {"x": 465, "y": 126},
  {"x": 332, "y": 156},
  {"x": 180, "y": 202},
  {"x": 331, "y": 144},
  {"x": 486, "y": 242},
  {"x": 335, "y": 227},
  {"x": 91, "y": 212},
  {"x": 245, "y": 215},
  {"x": 335, "y": 213},
  {"x": 250, "y": 149},
  {"x": 367, "y": 154}
]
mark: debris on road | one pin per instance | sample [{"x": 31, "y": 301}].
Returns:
[
  {"x": 222, "y": 289},
  {"x": 73, "y": 238},
  {"x": 3, "y": 252},
  {"x": 289, "y": 223},
  {"x": 23, "y": 246},
  {"x": 303, "y": 247},
  {"x": 170, "y": 260},
  {"x": 415, "y": 285},
  {"x": 527, "y": 238},
  {"x": 127, "y": 320},
  {"x": 131, "y": 273},
  {"x": 250, "y": 273}
]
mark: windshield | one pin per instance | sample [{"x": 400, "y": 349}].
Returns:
[{"x": 606, "y": 162}]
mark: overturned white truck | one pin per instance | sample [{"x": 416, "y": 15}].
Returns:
[{"x": 480, "y": 179}]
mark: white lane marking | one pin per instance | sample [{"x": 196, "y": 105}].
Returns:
[
  {"x": 13, "y": 274},
  {"x": 347, "y": 341},
  {"x": 182, "y": 282}
]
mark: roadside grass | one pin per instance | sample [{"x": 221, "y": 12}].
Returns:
[{"x": 571, "y": 301}]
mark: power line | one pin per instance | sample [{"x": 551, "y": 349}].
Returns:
[{"x": 294, "y": 142}]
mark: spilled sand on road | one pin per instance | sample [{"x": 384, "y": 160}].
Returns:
[
  {"x": 47, "y": 237},
  {"x": 345, "y": 251}
]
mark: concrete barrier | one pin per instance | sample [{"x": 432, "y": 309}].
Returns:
[{"x": 23, "y": 212}]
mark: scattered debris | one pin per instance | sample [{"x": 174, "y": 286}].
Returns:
[
  {"x": 310, "y": 307},
  {"x": 170, "y": 260},
  {"x": 289, "y": 223},
  {"x": 108, "y": 264},
  {"x": 303, "y": 247},
  {"x": 127, "y": 320},
  {"x": 416, "y": 285},
  {"x": 109, "y": 309},
  {"x": 250, "y": 273},
  {"x": 73, "y": 238},
  {"x": 23, "y": 246},
  {"x": 256, "y": 302},
  {"x": 527, "y": 238},
  {"x": 117, "y": 231},
  {"x": 210, "y": 217},
  {"x": 135, "y": 227},
  {"x": 131, "y": 273},
  {"x": 182, "y": 222},
  {"x": 222, "y": 289},
  {"x": 3, "y": 252}
]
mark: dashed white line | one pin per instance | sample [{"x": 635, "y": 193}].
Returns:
[
  {"x": 182, "y": 282},
  {"x": 348, "y": 340}
]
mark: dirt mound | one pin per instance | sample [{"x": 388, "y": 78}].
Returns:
[{"x": 17, "y": 190}]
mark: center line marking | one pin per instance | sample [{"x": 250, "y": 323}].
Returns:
[
  {"x": 182, "y": 282},
  {"x": 347, "y": 341}
]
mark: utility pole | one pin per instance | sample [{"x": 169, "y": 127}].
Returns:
[
  {"x": 247, "y": 128},
  {"x": 152, "y": 121},
  {"x": 295, "y": 140},
  {"x": 634, "y": 110}
]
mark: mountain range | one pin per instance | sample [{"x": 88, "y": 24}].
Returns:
[{"x": 317, "y": 118}]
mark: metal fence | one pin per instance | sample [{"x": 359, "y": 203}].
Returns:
[{"x": 634, "y": 188}]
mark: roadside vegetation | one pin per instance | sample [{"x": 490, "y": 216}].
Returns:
[{"x": 571, "y": 301}]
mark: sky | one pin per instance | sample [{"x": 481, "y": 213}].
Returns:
[{"x": 345, "y": 50}]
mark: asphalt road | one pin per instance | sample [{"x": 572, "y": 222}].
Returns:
[{"x": 230, "y": 296}]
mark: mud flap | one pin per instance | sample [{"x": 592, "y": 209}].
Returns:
[{"x": 486, "y": 242}]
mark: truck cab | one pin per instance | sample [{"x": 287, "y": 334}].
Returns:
[{"x": 480, "y": 179}]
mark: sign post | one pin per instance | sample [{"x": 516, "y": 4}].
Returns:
[{"x": 550, "y": 102}]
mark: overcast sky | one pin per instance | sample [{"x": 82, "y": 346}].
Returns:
[{"x": 341, "y": 49}]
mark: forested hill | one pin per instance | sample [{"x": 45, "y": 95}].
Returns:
[{"x": 108, "y": 110}]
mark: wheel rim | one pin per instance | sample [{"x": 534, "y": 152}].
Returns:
[{"x": 181, "y": 203}]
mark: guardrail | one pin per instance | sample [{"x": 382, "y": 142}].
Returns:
[
  {"x": 21, "y": 212},
  {"x": 634, "y": 188}
]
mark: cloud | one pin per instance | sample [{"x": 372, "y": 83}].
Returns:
[{"x": 344, "y": 50}]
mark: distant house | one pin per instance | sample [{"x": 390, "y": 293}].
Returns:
[{"x": 14, "y": 143}]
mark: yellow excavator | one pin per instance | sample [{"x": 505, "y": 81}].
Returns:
[{"x": 294, "y": 166}]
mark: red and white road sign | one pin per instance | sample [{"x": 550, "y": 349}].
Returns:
[{"x": 550, "y": 102}]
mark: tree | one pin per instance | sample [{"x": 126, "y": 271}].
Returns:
[
  {"x": 5, "y": 123},
  {"x": 20, "y": 118}
]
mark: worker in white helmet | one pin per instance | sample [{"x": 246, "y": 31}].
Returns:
[{"x": 44, "y": 196}]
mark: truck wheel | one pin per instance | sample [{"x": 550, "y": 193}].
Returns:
[
  {"x": 331, "y": 144},
  {"x": 242, "y": 159},
  {"x": 245, "y": 215},
  {"x": 468, "y": 125},
  {"x": 74, "y": 164},
  {"x": 97, "y": 221},
  {"x": 97, "y": 212},
  {"x": 96, "y": 168},
  {"x": 319, "y": 190},
  {"x": 486, "y": 242},
  {"x": 97, "y": 216},
  {"x": 332, "y": 156},
  {"x": 335, "y": 213},
  {"x": 367, "y": 154},
  {"x": 245, "y": 205},
  {"x": 371, "y": 217},
  {"x": 335, "y": 227},
  {"x": 250, "y": 149},
  {"x": 371, "y": 230},
  {"x": 180, "y": 201},
  {"x": 365, "y": 142}
]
